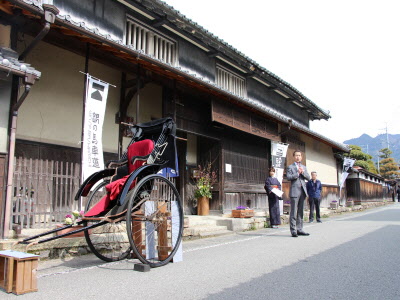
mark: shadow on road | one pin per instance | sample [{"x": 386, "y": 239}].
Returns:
[
  {"x": 360, "y": 269},
  {"x": 59, "y": 266}
]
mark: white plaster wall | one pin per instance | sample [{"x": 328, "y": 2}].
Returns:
[
  {"x": 320, "y": 159},
  {"x": 150, "y": 106},
  {"x": 5, "y": 91},
  {"x": 52, "y": 113},
  {"x": 150, "y": 103}
]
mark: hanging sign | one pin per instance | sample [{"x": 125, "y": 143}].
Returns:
[
  {"x": 95, "y": 106},
  {"x": 347, "y": 165},
  {"x": 278, "y": 157}
]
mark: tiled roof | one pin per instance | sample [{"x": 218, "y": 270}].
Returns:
[
  {"x": 213, "y": 41},
  {"x": 362, "y": 170},
  {"x": 9, "y": 63},
  {"x": 191, "y": 74}
]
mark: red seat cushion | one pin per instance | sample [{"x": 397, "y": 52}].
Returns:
[
  {"x": 100, "y": 208},
  {"x": 136, "y": 150}
]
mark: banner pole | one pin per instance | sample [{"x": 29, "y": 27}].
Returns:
[{"x": 83, "y": 115}]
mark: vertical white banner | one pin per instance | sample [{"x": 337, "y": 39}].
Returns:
[
  {"x": 347, "y": 165},
  {"x": 278, "y": 158},
  {"x": 95, "y": 107}
]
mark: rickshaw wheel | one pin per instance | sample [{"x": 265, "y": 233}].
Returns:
[
  {"x": 156, "y": 218},
  {"x": 108, "y": 242}
]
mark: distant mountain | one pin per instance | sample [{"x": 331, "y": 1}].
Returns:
[{"x": 372, "y": 145}]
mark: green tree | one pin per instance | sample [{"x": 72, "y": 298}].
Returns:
[
  {"x": 388, "y": 168},
  {"x": 363, "y": 160}
]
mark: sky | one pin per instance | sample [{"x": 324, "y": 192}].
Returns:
[{"x": 342, "y": 55}]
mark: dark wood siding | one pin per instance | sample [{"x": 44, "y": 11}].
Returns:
[
  {"x": 361, "y": 190},
  {"x": 249, "y": 157},
  {"x": 3, "y": 184},
  {"x": 43, "y": 151},
  {"x": 329, "y": 193}
]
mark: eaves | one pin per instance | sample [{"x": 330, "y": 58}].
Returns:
[{"x": 139, "y": 56}]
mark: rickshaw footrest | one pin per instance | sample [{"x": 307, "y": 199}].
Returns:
[{"x": 141, "y": 268}]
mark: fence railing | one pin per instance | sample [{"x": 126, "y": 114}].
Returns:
[{"x": 43, "y": 192}]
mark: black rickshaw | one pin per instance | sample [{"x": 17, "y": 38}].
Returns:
[{"x": 133, "y": 208}]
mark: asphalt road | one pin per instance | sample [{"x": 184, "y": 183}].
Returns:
[{"x": 352, "y": 256}]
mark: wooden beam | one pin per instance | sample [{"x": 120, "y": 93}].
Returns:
[
  {"x": 159, "y": 22},
  {"x": 128, "y": 98},
  {"x": 130, "y": 83},
  {"x": 212, "y": 54}
]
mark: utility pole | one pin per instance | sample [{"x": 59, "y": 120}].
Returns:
[
  {"x": 363, "y": 146},
  {"x": 387, "y": 136},
  {"x": 379, "y": 172}
]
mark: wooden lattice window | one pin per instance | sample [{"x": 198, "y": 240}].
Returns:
[
  {"x": 231, "y": 81},
  {"x": 150, "y": 42}
]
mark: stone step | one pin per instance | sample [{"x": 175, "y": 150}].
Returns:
[
  {"x": 198, "y": 229},
  {"x": 202, "y": 220},
  {"x": 203, "y": 229}
]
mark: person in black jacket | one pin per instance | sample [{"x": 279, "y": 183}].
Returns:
[
  {"x": 398, "y": 194},
  {"x": 273, "y": 200},
  {"x": 314, "y": 188}
]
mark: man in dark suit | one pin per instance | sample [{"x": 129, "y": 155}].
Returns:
[
  {"x": 297, "y": 174},
  {"x": 314, "y": 188}
]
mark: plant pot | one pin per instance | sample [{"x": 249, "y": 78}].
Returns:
[
  {"x": 286, "y": 208},
  {"x": 69, "y": 229},
  {"x": 242, "y": 213},
  {"x": 334, "y": 205},
  {"x": 203, "y": 206}
]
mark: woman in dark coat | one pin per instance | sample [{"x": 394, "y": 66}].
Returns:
[{"x": 273, "y": 200}]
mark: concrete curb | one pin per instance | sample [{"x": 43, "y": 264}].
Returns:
[{"x": 69, "y": 247}]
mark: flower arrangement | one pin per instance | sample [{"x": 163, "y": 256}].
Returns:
[
  {"x": 205, "y": 180},
  {"x": 74, "y": 217},
  {"x": 241, "y": 207},
  {"x": 334, "y": 201}
]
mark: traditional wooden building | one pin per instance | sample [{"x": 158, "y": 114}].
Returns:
[
  {"x": 363, "y": 186},
  {"x": 227, "y": 108}
]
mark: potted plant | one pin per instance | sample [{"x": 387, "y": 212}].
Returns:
[
  {"x": 334, "y": 204},
  {"x": 72, "y": 219},
  {"x": 205, "y": 179},
  {"x": 349, "y": 202},
  {"x": 242, "y": 212}
]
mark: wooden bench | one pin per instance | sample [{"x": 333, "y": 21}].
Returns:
[{"x": 18, "y": 272}]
